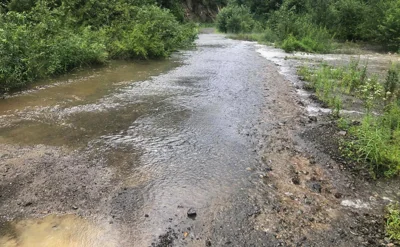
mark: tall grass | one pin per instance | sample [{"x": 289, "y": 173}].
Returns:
[{"x": 376, "y": 141}]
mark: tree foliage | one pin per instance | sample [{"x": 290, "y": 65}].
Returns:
[{"x": 353, "y": 20}]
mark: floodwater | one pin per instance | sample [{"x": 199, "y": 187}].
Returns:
[
  {"x": 116, "y": 156},
  {"x": 53, "y": 231},
  {"x": 138, "y": 144}
]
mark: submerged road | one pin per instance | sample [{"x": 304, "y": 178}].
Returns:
[{"x": 117, "y": 156}]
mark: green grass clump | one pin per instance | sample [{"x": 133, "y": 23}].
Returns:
[
  {"x": 376, "y": 141},
  {"x": 392, "y": 226}
]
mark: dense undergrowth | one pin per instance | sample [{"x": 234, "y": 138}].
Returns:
[
  {"x": 375, "y": 141},
  {"x": 46, "y": 38},
  {"x": 312, "y": 26}
]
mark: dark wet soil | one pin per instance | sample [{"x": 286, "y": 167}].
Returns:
[{"x": 218, "y": 129}]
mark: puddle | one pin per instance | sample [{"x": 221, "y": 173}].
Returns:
[{"x": 54, "y": 231}]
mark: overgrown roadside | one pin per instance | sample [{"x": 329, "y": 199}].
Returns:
[{"x": 312, "y": 195}]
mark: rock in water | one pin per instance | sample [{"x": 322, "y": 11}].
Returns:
[{"x": 191, "y": 213}]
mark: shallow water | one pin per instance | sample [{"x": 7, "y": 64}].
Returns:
[
  {"x": 54, "y": 231},
  {"x": 173, "y": 133},
  {"x": 139, "y": 143}
]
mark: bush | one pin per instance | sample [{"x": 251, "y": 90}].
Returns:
[
  {"x": 235, "y": 19},
  {"x": 32, "y": 50},
  {"x": 154, "y": 33},
  {"x": 314, "y": 40},
  {"x": 349, "y": 15},
  {"x": 299, "y": 33},
  {"x": 389, "y": 26},
  {"x": 47, "y": 40}
]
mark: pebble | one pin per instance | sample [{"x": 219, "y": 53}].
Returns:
[
  {"x": 191, "y": 212},
  {"x": 316, "y": 187},
  {"x": 338, "y": 195}
]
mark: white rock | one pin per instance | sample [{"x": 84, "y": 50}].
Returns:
[{"x": 355, "y": 204}]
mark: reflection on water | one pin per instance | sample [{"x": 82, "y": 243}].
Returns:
[
  {"x": 86, "y": 86},
  {"x": 54, "y": 231}
]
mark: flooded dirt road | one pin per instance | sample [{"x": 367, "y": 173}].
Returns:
[
  {"x": 117, "y": 156},
  {"x": 132, "y": 147}
]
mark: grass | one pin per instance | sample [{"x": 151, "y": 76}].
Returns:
[
  {"x": 392, "y": 226},
  {"x": 376, "y": 141}
]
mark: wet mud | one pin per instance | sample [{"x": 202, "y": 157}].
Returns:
[{"x": 117, "y": 156}]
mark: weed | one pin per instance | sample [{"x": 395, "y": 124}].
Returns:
[
  {"x": 376, "y": 141},
  {"x": 392, "y": 227},
  {"x": 392, "y": 84}
]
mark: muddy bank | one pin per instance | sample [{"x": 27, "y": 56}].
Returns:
[{"x": 218, "y": 129}]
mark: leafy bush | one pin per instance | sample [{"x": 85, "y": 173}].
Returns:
[
  {"x": 51, "y": 40},
  {"x": 349, "y": 15},
  {"x": 389, "y": 27},
  {"x": 353, "y": 20},
  {"x": 235, "y": 19},
  {"x": 153, "y": 33},
  {"x": 32, "y": 50}
]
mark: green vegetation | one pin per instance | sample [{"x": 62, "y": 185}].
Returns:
[
  {"x": 376, "y": 140},
  {"x": 235, "y": 19},
  {"x": 393, "y": 221},
  {"x": 43, "y": 38},
  {"x": 311, "y": 26}
]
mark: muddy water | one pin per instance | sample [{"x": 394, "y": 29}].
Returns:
[
  {"x": 133, "y": 146},
  {"x": 53, "y": 231}
]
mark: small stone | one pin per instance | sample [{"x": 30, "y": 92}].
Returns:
[
  {"x": 316, "y": 187},
  {"x": 74, "y": 207},
  {"x": 28, "y": 204},
  {"x": 296, "y": 180},
  {"x": 191, "y": 213},
  {"x": 312, "y": 119},
  {"x": 342, "y": 133},
  {"x": 338, "y": 195}
]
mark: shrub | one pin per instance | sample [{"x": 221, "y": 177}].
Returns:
[
  {"x": 48, "y": 40},
  {"x": 389, "y": 25},
  {"x": 31, "y": 50},
  {"x": 154, "y": 33},
  {"x": 235, "y": 19},
  {"x": 349, "y": 15}
]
